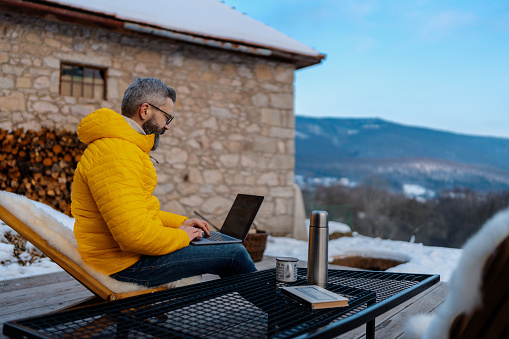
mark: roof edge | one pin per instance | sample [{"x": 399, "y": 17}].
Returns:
[{"x": 113, "y": 22}]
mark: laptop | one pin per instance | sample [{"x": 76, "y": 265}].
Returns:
[{"x": 237, "y": 223}]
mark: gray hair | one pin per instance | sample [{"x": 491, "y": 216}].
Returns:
[{"x": 149, "y": 90}]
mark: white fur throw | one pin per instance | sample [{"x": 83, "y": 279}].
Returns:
[
  {"x": 50, "y": 226},
  {"x": 465, "y": 283}
]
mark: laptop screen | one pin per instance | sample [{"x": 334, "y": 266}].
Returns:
[{"x": 241, "y": 215}]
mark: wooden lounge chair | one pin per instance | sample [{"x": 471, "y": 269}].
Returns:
[
  {"x": 32, "y": 221},
  {"x": 477, "y": 304}
]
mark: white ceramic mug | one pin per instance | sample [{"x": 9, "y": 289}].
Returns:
[{"x": 286, "y": 269}]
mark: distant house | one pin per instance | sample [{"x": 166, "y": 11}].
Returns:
[{"x": 234, "y": 127}]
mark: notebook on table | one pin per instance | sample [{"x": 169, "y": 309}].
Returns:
[{"x": 237, "y": 223}]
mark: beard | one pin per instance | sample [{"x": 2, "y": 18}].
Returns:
[{"x": 150, "y": 127}]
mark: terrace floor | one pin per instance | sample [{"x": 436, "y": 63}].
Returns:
[{"x": 37, "y": 295}]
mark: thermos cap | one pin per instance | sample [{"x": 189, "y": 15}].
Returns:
[
  {"x": 319, "y": 219},
  {"x": 288, "y": 259}
]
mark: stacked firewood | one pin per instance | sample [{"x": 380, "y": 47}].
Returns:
[{"x": 40, "y": 165}]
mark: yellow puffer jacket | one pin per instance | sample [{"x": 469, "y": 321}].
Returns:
[{"x": 117, "y": 217}]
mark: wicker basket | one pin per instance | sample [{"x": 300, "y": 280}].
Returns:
[{"x": 255, "y": 244}]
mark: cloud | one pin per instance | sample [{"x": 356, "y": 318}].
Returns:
[{"x": 445, "y": 23}]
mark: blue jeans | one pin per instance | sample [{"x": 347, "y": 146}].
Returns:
[{"x": 224, "y": 260}]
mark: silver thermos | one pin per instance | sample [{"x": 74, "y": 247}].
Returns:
[{"x": 318, "y": 252}]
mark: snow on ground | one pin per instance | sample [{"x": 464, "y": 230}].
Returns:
[{"x": 421, "y": 259}]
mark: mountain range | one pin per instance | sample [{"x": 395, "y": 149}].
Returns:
[{"x": 364, "y": 149}]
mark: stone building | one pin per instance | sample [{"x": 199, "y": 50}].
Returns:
[{"x": 234, "y": 126}]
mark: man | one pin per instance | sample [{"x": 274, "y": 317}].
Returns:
[{"x": 119, "y": 226}]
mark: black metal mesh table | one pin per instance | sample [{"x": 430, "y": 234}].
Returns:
[{"x": 247, "y": 306}]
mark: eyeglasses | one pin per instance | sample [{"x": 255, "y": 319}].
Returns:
[{"x": 169, "y": 116}]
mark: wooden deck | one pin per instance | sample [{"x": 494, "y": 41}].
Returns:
[{"x": 32, "y": 296}]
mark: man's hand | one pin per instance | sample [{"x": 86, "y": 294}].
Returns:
[
  {"x": 198, "y": 225},
  {"x": 192, "y": 232}
]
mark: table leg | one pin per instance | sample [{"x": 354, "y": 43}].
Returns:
[
  {"x": 370, "y": 329},
  {"x": 370, "y": 325}
]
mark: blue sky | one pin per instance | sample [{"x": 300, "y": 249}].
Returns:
[{"x": 430, "y": 63}]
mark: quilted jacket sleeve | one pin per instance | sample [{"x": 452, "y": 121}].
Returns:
[
  {"x": 171, "y": 220},
  {"x": 116, "y": 184}
]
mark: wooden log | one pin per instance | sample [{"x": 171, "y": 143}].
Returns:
[
  {"x": 47, "y": 161},
  {"x": 57, "y": 149}
]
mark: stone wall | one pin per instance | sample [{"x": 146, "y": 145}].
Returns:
[{"x": 234, "y": 125}]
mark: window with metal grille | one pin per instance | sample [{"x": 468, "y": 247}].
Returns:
[{"x": 82, "y": 81}]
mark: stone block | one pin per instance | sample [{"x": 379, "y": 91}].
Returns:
[
  {"x": 271, "y": 116},
  {"x": 249, "y": 180},
  {"x": 263, "y": 72},
  {"x": 284, "y": 73},
  {"x": 82, "y": 110},
  {"x": 281, "y": 146},
  {"x": 6, "y": 125},
  {"x": 229, "y": 160},
  {"x": 280, "y": 132},
  {"x": 281, "y": 100},
  {"x": 248, "y": 161},
  {"x": 280, "y": 225},
  {"x": 55, "y": 81},
  {"x": 148, "y": 57},
  {"x": 220, "y": 112},
  {"x": 187, "y": 188},
  {"x": 282, "y": 161},
  {"x": 231, "y": 146},
  {"x": 141, "y": 68},
  {"x": 42, "y": 82},
  {"x": 209, "y": 77},
  {"x": 33, "y": 38},
  {"x": 52, "y": 42},
  {"x": 230, "y": 70},
  {"x": 211, "y": 123},
  {"x": 282, "y": 206},
  {"x": 52, "y": 62},
  {"x": 99, "y": 60},
  {"x": 193, "y": 201},
  {"x": 269, "y": 179},
  {"x": 213, "y": 177},
  {"x": 178, "y": 155},
  {"x": 193, "y": 144},
  {"x": 176, "y": 59},
  {"x": 6, "y": 83},
  {"x": 14, "y": 70},
  {"x": 174, "y": 206},
  {"x": 281, "y": 192},
  {"x": 253, "y": 128},
  {"x": 4, "y": 57},
  {"x": 244, "y": 71},
  {"x": 113, "y": 91},
  {"x": 264, "y": 145},
  {"x": 39, "y": 50},
  {"x": 195, "y": 175},
  {"x": 44, "y": 107},
  {"x": 23, "y": 82},
  {"x": 260, "y": 100},
  {"x": 216, "y": 145},
  {"x": 31, "y": 124},
  {"x": 13, "y": 102},
  {"x": 217, "y": 205}
]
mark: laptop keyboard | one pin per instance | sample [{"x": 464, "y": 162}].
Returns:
[{"x": 216, "y": 236}]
